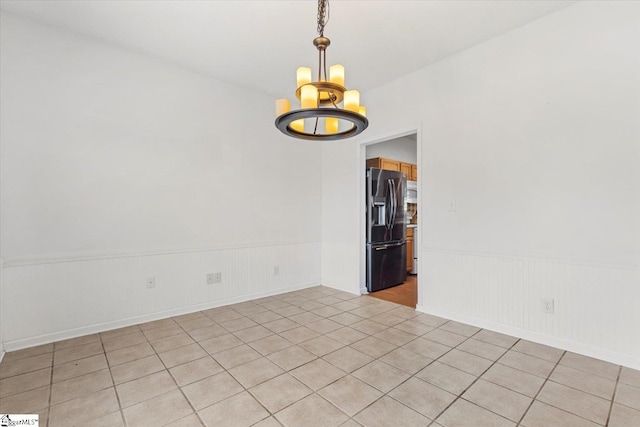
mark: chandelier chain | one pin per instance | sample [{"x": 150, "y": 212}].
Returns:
[{"x": 323, "y": 15}]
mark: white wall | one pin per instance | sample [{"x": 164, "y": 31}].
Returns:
[
  {"x": 1, "y": 274},
  {"x": 534, "y": 137},
  {"x": 340, "y": 200},
  {"x": 117, "y": 167},
  {"x": 1, "y": 322},
  {"x": 403, "y": 149}
]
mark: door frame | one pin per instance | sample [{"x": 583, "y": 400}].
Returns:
[{"x": 362, "y": 188}]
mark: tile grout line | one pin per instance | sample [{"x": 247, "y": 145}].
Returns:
[
  {"x": 171, "y": 375},
  {"x": 573, "y": 388},
  {"x": 227, "y": 371},
  {"x": 103, "y": 353},
  {"x": 613, "y": 397},
  {"x": 231, "y": 375},
  {"x": 315, "y": 392},
  {"x": 174, "y": 379},
  {"x": 115, "y": 391},
  {"x": 459, "y": 396},
  {"x": 535, "y": 398},
  {"x": 168, "y": 369},
  {"x": 410, "y": 376},
  {"x": 53, "y": 354},
  {"x": 109, "y": 365},
  {"x": 434, "y": 360}
]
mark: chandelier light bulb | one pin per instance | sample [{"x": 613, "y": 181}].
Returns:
[
  {"x": 331, "y": 125},
  {"x": 352, "y": 100},
  {"x": 298, "y": 125},
  {"x": 336, "y": 74},
  {"x": 309, "y": 96},
  {"x": 303, "y": 76},
  {"x": 282, "y": 106}
]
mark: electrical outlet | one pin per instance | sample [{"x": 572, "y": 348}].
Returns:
[
  {"x": 276, "y": 270},
  {"x": 547, "y": 305},
  {"x": 151, "y": 282},
  {"x": 213, "y": 278}
]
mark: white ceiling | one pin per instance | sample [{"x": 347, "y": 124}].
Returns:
[{"x": 259, "y": 44}]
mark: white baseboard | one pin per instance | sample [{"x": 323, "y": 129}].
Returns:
[
  {"x": 121, "y": 323},
  {"x": 564, "y": 344},
  {"x": 339, "y": 288}
]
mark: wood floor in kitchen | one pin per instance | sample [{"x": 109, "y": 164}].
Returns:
[{"x": 405, "y": 294}]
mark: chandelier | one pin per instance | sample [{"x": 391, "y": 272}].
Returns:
[{"x": 320, "y": 116}]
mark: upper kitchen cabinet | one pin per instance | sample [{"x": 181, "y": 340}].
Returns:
[
  {"x": 382, "y": 163},
  {"x": 408, "y": 169},
  {"x": 411, "y": 171}
]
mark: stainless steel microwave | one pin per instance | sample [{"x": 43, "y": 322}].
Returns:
[{"x": 412, "y": 192}]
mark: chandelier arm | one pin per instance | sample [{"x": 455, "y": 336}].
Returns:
[
  {"x": 315, "y": 127},
  {"x": 326, "y": 75},
  {"x": 319, "y": 64}
]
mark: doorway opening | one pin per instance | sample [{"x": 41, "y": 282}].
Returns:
[{"x": 400, "y": 155}]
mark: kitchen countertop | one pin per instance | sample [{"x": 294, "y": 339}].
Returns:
[{"x": 412, "y": 225}]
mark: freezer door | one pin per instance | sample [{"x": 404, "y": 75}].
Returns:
[
  {"x": 385, "y": 206},
  {"x": 386, "y": 265}
]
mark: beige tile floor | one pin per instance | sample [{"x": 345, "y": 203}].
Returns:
[{"x": 316, "y": 357}]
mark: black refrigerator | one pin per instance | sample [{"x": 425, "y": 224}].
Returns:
[{"x": 386, "y": 229}]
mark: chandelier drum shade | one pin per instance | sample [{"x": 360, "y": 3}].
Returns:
[{"x": 321, "y": 116}]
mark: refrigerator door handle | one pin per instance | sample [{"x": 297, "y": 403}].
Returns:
[
  {"x": 393, "y": 245},
  {"x": 394, "y": 202},
  {"x": 389, "y": 204},
  {"x": 387, "y": 246}
]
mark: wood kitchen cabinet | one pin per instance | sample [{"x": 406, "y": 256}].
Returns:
[
  {"x": 408, "y": 169},
  {"x": 409, "y": 249},
  {"x": 382, "y": 163}
]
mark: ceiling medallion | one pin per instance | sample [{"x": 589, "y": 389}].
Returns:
[{"x": 319, "y": 100}]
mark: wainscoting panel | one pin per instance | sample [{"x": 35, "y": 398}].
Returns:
[
  {"x": 596, "y": 306},
  {"x": 45, "y": 301}
]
